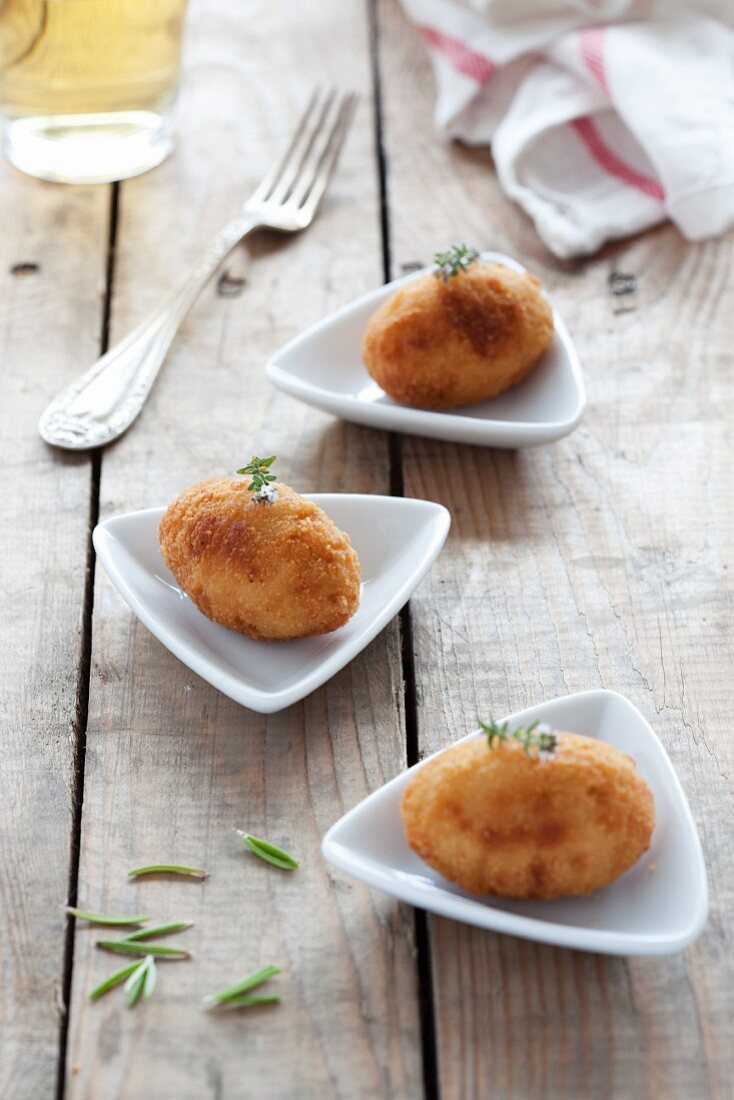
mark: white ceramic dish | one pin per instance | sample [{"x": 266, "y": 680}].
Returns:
[
  {"x": 659, "y": 906},
  {"x": 324, "y": 367},
  {"x": 397, "y": 541}
]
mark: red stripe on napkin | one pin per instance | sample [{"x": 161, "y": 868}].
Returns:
[
  {"x": 613, "y": 164},
  {"x": 592, "y": 51},
  {"x": 462, "y": 57}
]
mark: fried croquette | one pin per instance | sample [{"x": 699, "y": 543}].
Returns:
[
  {"x": 268, "y": 570},
  {"x": 441, "y": 345},
  {"x": 499, "y": 821}
]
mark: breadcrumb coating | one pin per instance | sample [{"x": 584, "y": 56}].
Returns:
[
  {"x": 496, "y": 821},
  {"x": 437, "y": 345},
  {"x": 268, "y": 570}
]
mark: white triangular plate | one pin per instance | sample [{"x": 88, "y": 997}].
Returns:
[
  {"x": 324, "y": 367},
  {"x": 397, "y": 541},
  {"x": 659, "y": 906}
]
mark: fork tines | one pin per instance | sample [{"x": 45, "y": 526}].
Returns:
[{"x": 300, "y": 177}]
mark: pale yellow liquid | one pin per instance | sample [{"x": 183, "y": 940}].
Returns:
[{"x": 105, "y": 67}]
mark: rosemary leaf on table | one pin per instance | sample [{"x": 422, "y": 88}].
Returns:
[
  {"x": 154, "y": 930},
  {"x": 134, "y": 984},
  {"x": 104, "y": 918},
  {"x": 267, "y": 851},
  {"x": 237, "y": 989},
  {"x": 247, "y": 1002},
  {"x": 113, "y": 980},
  {"x": 161, "y": 951},
  {"x": 151, "y": 977},
  {"x": 168, "y": 869}
]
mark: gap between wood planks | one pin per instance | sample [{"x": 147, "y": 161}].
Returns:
[
  {"x": 431, "y": 1088},
  {"x": 79, "y": 728},
  {"x": 396, "y": 488}
]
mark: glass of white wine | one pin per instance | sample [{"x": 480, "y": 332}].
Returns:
[{"x": 87, "y": 87}]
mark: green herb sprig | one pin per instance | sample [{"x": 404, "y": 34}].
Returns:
[
  {"x": 458, "y": 258},
  {"x": 259, "y": 471},
  {"x": 268, "y": 852},
  {"x": 535, "y": 736}
]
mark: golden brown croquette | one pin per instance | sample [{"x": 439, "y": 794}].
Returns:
[
  {"x": 437, "y": 345},
  {"x": 497, "y": 821},
  {"x": 275, "y": 571}
]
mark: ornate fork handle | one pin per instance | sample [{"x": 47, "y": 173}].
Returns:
[{"x": 102, "y": 403}]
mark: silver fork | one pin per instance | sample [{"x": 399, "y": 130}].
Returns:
[{"x": 101, "y": 404}]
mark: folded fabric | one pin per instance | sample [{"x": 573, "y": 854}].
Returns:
[{"x": 604, "y": 117}]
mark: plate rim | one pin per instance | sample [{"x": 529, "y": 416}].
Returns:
[
  {"x": 535, "y": 928},
  {"x": 256, "y": 699}
]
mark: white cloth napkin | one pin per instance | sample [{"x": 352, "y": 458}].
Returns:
[{"x": 604, "y": 116}]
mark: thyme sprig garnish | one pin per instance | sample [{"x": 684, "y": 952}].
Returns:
[
  {"x": 234, "y": 994},
  {"x": 168, "y": 869},
  {"x": 536, "y": 736},
  {"x": 458, "y": 258},
  {"x": 268, "y": 852},
  {"x": 104, "y": 918},
  {"x": 262, "y": 477}
]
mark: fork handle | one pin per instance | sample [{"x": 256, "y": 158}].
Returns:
[{"x": 103, "y": 402}]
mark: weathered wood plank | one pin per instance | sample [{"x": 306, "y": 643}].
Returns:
[
  {"x": 52, "y": 262},
  {"x": 172, "y": 766},
  {"x": 601, "y": 560}
]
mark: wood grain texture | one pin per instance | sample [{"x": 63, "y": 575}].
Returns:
[
  {"x": 604, "y": 560},
  {"x": 52, "y": 256},
  {"x": 173, "y": 766}
]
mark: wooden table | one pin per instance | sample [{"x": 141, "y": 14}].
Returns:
[{"x": 599, "y": 561}]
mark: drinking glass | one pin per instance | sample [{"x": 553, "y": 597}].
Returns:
[{"x": 87, "y": 87}]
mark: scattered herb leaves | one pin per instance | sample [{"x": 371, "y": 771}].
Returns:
[{"x": 140, "y": 976}]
